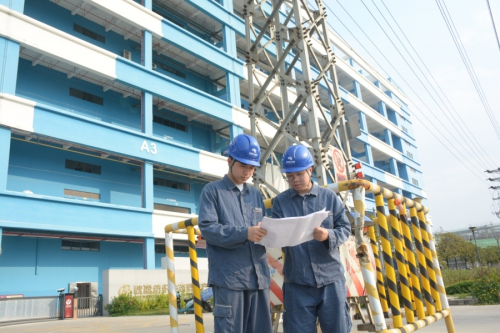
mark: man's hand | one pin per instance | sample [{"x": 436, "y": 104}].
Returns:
[
  {"x": 256, "y": 233},
  {"x": 320, "y": 234}
]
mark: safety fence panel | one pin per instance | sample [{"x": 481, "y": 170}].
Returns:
[
  {"x": 89, "y": 307},
  {"x": 28, "y": 308}
]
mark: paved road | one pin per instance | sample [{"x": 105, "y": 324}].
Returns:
[{"x": 468, "y": 319}]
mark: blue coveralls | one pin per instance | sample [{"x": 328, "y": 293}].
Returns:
[
  {"x": 314, "y": 276},
  {"x": 237, "y": 268}
]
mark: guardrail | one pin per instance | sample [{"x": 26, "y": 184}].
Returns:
[
  {"x": 428, "y": 275},
  {"x": 28, "y": 308}
]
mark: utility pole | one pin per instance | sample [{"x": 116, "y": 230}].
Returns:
[
  {"x": 477, "y": 250},
  {"x": 495, "y": 206}
]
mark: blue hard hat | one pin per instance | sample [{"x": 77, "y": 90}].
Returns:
[
  {"x": 245, "y": 149},
  {"x": 296, "y": 158}
]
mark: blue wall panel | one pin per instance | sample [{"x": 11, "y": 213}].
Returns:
[
  {"x": 73, "y": 128},
  {"x": 196, "y": 46},
  {"x": 9, "y": 57},
  {"x": 51, "y": 87},
  {"x": 42, "y": 170},
  {"x": 160, "y": 85},
  {"x": 55, "y": 268},
  {"x": 54, "y": 214},
  {"x": 180, "y": 198}
]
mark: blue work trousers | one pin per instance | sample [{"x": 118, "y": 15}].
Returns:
[
  {"x": 305, "y": 304},
  {"x": 241, "y": 311}
]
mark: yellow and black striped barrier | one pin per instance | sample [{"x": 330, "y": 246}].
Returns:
[
  {"x": 410, "y": 256},
  {"x": 380, "y": 274},
  {"x": 388, "y": 261},
  {"x": 430, "y": 278},
  {"x": 400, "y": 257},
  {"x": 424, "y": 276}
]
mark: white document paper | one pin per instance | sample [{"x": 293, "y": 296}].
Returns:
[{"x": 291, "y": 231}]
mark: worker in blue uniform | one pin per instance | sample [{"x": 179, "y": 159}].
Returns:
[
  {"x": 229, "y": 220},
  {"x": 314, "y": 284}
]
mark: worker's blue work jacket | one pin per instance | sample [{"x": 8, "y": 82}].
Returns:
[
  {"x": 225, "y": 216},
  {"x": 314, "y": 263}
]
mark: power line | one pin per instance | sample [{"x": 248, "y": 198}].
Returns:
[
  {"x": 418, "y": 78},
  {"x": 493, "y": 22},
  {"x": 468, "y": 65},
  {"x": 389, "y": 62},
  {"x": 437, "y": 84}
]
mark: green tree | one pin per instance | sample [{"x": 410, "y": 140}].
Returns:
[
  {"x": 490, "y": 255},
  {"x": 467, "y": 252},
  {"x": 448, "y": 246}
]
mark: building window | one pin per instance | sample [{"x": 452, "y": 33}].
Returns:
[
  {"x": 171, "y": 183},
  {"x": 410, "y": 155},
  {"x": 412, "y": 170},
  {"x": 174, "y": 209},
  {"x": 68, "y": 245},
  {"x": 86, "y": 96},
  {"x": 83, "y": 167},
  {"x": 181, "y": 249},
  {"x": 169, "y": 123},
  {"x": 89, "y": 33},
  {"x": 404, "y": 129},
  {"x": 414, "y": 181},
  {"x": 82, "y": 194},
  {"x": 172, "y": 70},
  {"x": 178, "y": 249}
]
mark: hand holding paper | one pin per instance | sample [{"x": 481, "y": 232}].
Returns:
[{"x": 291, "y": 231}]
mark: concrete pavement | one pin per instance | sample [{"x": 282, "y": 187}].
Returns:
[{"x": 468, "y": 319}]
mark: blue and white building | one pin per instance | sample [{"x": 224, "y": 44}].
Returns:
[{"x": 115, "y": 114}]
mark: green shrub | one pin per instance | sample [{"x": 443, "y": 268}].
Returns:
[
  {"x": 487, "y": 290},
  {"x": 154, "y": 302},
  {"x": 464, "y": 287},
  {"x": 126, "y": 303},
  {"x": 122, "y": 304},
  {"x": 452, "y": 276}
]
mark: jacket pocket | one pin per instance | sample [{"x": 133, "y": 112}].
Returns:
[
  {"x": 223, "y": 318},
  {"x": 258, "y": 215}
]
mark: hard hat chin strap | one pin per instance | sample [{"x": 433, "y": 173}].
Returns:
[{"x": 231, "y": 166}]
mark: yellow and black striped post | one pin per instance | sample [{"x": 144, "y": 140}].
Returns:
[
  {"x": 415, "y": 283},
  {"x": 400, "y": 257},
  {"x": 424, "y": 276},
  {"x": 439, "y": 279},
  {"x": 358, "y": 195},
  {"x": 198, "y": 310},
  {"x": 172, "y": 294},
  {"x": 380, "y": 274},
  {"x": 429, "y": 260},
  {"x": 388, "y": 262},
  {"x": 191, "y": 231}
]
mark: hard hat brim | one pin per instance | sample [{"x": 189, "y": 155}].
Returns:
[
  {"x": 246, "y": 161},
  {"x": 295, "y": 169}
]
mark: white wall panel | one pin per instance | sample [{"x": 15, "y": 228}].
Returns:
[
  {"x": 16, "y": 112},
  {"x": 55, "y": 43},
  {"x": 132, "y": 13},
  {"x": 213, "y": 164}
]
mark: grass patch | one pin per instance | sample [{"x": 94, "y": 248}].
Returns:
[{"x": 155, "y": 312}]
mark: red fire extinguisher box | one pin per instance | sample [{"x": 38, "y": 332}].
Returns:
[{"x": 68, "y": 305}]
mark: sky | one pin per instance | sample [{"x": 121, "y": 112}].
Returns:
[{"x": 458, "y": 197}]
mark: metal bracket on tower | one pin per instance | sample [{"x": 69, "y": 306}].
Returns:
[{"x": 283, "y": 43}]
